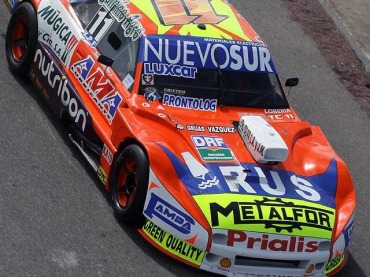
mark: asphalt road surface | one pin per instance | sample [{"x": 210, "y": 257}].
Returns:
[{"x": 55, "y": 218}]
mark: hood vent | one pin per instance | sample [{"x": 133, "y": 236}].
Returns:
[{"x": 263, "y": 142}]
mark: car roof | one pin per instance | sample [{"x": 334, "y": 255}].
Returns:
[{"x": 212, "y": 19}]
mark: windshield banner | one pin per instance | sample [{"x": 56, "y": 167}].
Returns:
[{"x": 196, "y": 52}]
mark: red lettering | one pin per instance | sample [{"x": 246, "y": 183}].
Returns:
[
  {"x": 293, "y": 244},
  {"x": 312, "y": 247},
  {"x": 235, "y": 236},
  {"x": 251, "y": 241},
  {"x": 300, "y": 244},
  {"x": 278, "y": 245},
  {"x": 265, "y": 240}
]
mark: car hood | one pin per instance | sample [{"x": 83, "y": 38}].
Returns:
[
  {"x": 233, "y": 187},
  {"x": 234, "y": 192}
]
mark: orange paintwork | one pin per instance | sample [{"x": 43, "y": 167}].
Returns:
[{"x": 154, "y": 126}]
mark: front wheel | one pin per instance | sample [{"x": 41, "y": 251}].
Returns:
[
  {"x": 129, "y": 184},
  {"x": 21, "y": 39}
]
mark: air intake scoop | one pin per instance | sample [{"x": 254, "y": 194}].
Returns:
[{"x": 263, "y": 142}]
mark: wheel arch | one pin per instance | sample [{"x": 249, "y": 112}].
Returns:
[
  {"x": 35, "y": 4},
  {"x": 123, "y": 144}
]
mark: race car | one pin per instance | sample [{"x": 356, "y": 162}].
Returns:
[{"x": 177, "y": 106}]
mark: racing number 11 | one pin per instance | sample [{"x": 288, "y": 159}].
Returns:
[
  {"x": 182, "y": 12},
  {"x": 100, "y": 24}
]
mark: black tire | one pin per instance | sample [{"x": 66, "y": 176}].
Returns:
[
  {"x": 21, "y": 39},
  {"x": 129, "y": 184}
]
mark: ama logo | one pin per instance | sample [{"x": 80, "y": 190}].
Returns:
[
  {"x": 97, "y": 85},
  {"x": 212, "y": 149}
]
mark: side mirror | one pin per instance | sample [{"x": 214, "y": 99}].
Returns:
[
  {"x": 105, "y": 60},
  {"x": 292, "y": 82}
]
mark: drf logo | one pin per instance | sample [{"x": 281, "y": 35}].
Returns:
[
  {"x": 169, "y": 214},
  {"x": 212, "y": 149}
]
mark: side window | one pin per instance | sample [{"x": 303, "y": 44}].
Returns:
[
  {"x": 122, "y": 50},
  {"x": 109, "y": 38},
  {"x": 85, "y": 11}
]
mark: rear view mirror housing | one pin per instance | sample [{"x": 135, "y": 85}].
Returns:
[{"x": 292, "y": 82}]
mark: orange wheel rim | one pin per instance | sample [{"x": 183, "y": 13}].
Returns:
[
  {"x": 127, "y": 182},
  {"x": 20, "y": 38}
]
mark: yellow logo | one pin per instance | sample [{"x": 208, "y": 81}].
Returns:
[
  {"x": 266, "y": 214},
  {"x": 173, "y": 245}
]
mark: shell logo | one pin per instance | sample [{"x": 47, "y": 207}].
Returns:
[{"x": 225, "y": 262}]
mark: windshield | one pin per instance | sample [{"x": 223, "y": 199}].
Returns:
[
  {"x": 230, "y": 88},
  {"x": 184, "y": 69}
]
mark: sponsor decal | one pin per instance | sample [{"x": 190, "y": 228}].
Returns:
[
  {"x": 147, "y": 79},
  {"x": 225, "y": 263},
  {"x": 107, "y": 154},
  {"x": 342, "y": 242},
  {"x": 169, "y": 214},
  {"x": 309, "y": 270},
  {"x": 151, "y": 94},
  {"x": 254, "y": 179},
  {"x": 347, "y": 232},
  {"x": 98, "y": 87},
  {"x": 173, "y": 245},
  {"x": 170, "y": 70},
  {"x": 263, "y": 142},
  {"x": 249, "y": 138},
  {"x": 212, "y": 149},
  {"x": 165, "y": 211},
  {"x": 61, "y": 39},
  {"x": 174, "y": 91},
  {"x": 128, "y": 81},
  {"x": 89, "y": 38},
  {"x": 102, "y": 175},
  {"x": 277, "y": 111},
  {"x": 179, "y": 127},
  {"x": 195, "y": 128},
  {"x": 221, "y": 129},
  {"x": 279, "y": 114},
  {"x": 190, "y": 103},
  {"x": 115, "y": 11},
  {"x": 278, "y": 216},
  {"x": 58, "y": 84},
  {"x": 271, "y": 182},
  {"x": 200, "y": 172},
  {"x": 198, "y": 53},
  {"x": 334, "y": 263},
  {"x": 267, "y": 242},
  {"x": 187, "y": 12}
]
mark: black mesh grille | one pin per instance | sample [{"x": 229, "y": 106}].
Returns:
[{"x": 245, "y": 261}]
